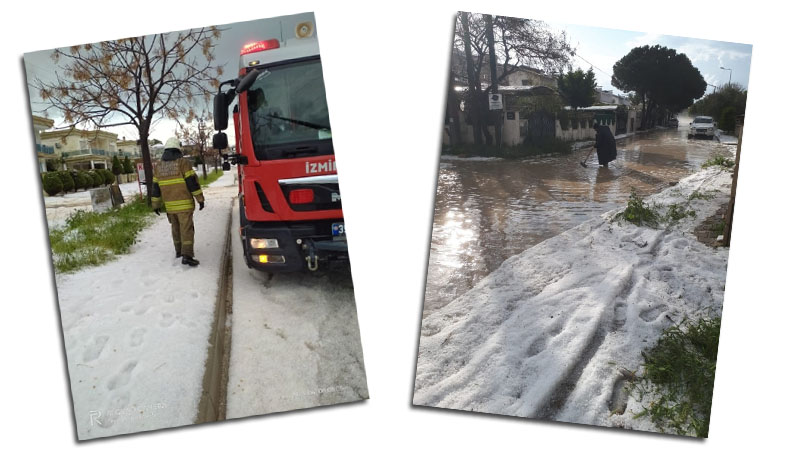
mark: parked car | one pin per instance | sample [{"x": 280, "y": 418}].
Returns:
[
  {"x": 673, "y": 122},
  {"x": 702, "y": 126}
]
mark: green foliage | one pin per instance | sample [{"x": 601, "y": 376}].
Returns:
[
  {"x": 66, "y": 180},
  {"x": 701, "y": 195},
  {"x": 97, "y": 179},
  {"x": 638, "y": 212},
  {"x": 108, "y": 176},
  {"x": 719, "y": 161},
  {"x": 677, "y": 212},
  {"x": 578, "y": 88},
  {"x": 116, "y": 166},
  {"x": 727, "y": 121},
  {"x": 127, "y": 166},
  {"x": 543, "y": 146},
  {"x": 198, "y": 161},
  {"x": 49, "y": 165},
  {"x": 86, "y": 180},
  {"x": 663, "y": 77},
  {"x": 730, "y": 96},
  {"x": 51, "y": 182},
  {"x": 679, "y": 376},
  {"x": 90, "y": 238},
  {"x": 718, "y": 228}
]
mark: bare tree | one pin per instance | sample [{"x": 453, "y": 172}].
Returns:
[
  {"x": 133, "y": 81},
  {"x": 194, "y": 132},
  {"x": 517, "y": 43}
]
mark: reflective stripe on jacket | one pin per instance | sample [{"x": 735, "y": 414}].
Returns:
[{"x": 175, "y": 184}]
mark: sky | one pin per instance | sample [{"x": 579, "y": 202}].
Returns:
[
  {"x": 234, "y": 36},
  {"x": 600, "y": 48}
]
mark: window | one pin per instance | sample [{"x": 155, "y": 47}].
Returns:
[{"x": 526, "y": 82}]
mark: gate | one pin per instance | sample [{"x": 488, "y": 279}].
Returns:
[{"x": 541, "y": 125}]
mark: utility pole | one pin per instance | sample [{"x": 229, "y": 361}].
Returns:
[
  {"x": 497, "y": 117},
  {"x": 474, "y": 105}
]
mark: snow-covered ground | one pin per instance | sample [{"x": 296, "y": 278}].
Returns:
[
  {"x": 295, "y": 340},
  {"x": 58, "y": 208},
  {"x": 136, "y": 329},
  {"x": 547, "y": 334}
]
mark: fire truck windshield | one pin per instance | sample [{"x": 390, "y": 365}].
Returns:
[{"x": 288, "y": 112}]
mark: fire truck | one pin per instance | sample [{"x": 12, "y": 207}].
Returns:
[{"x": 290, "y": 209}]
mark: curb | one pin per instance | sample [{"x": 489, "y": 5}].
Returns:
[{"x": 213, "y": 399}]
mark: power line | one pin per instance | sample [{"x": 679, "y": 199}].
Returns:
[{"x": 594, "y": 66}]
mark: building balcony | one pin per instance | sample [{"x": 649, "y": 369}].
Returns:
[
  {"x": 86, "y": 151},
  {"x": 46, "y": 149}
]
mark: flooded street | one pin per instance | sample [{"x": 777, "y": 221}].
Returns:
[{"x": 488, "y": 211}]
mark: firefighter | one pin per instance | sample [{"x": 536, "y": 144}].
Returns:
[{"x": 175, "y": 185}]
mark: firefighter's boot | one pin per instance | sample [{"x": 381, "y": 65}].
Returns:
[{"x": 190, "y": 261}]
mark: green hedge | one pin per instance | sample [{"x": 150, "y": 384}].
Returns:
[{"x": 51, "y": 182}]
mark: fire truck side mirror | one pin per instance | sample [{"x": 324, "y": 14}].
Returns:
[
  {"x": 220, "y": 141},
  {"x": 220, "y": 112},
  {"x": 248, "y": 80}
]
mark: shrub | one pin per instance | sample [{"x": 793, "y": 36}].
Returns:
[
  {"x": 127, "y": 166},
  {"x": 727, "y": 121},
  {"x": 638, "y": 212},
  {"x": 86, "y": 179},
  {"x": 116, "y": 166},
  {"x": 97, "y": 179},
  {"x": 51, "y": 182},
  {"x": 49, "y": 165},
  {"x": 108, "y": 176},
  {"x": 66, "y": 180}
]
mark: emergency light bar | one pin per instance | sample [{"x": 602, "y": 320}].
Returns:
[{"x": 259, "y": 46}]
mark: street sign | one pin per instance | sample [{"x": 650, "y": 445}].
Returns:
[
  {"x": 495, "y": 101},
  {"x": 140, "y": 171}
]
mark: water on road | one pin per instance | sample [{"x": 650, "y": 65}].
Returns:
[{"x": 488, "y": 211}]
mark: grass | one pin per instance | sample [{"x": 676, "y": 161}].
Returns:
[
  {"x": 718, "y": 228},
  {"x": 213, "y": 175},
  {"x": 719, "y": 161},
  {"x": 678, "y": 374},
  {"x": 510, "y": 152},
  {"x": 91, "y": 238},
  {"x": 640, "y": 213}
]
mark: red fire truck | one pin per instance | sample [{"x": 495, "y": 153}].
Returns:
[{"x": 289, "y": 204}]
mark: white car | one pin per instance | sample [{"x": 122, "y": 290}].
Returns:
[{"x": 702, "y": 126}]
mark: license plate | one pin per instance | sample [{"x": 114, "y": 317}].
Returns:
[{"x": 337, "y": 229}]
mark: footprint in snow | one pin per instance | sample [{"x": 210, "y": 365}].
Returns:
[
  {"x": 167, "y": 319},
  {"x": 137, "y": 337},
  {"x": 126, "y": 307},
  {"x": 652, "y": 314},
  {"x": 122, "y": 377},
  {"x": 94, "y": 348},
  {"x": 142, "y": 309}
]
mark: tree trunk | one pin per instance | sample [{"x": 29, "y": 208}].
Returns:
[
  {"x": 494, "y": 116},
  {"x": 144, "y": 133},
  {"x": 471, "y": 76}
]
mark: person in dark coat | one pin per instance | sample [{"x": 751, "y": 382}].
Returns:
[{"x": 605, "y": 144}]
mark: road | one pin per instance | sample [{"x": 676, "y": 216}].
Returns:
[
  {"x": 295, "y": 339},
  {"x": 488, "y": 211}
]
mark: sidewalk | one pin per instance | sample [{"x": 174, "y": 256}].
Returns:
[{"x": 136, "y": 329}]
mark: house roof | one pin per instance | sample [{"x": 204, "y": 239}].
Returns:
[
  {"x": 91, "y": 134},
  {"x": 43, "y": 121}
]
